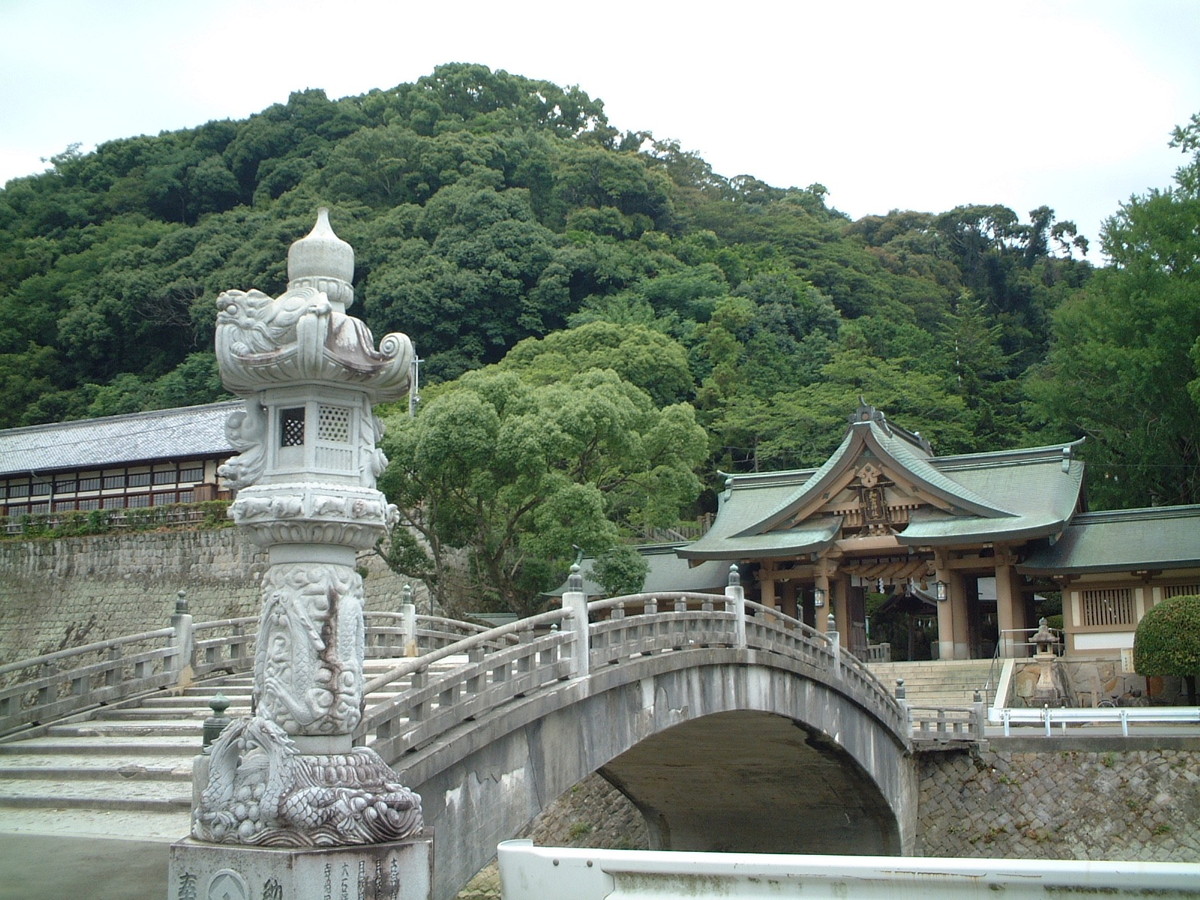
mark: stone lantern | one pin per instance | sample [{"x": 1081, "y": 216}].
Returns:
[
  {"x": 305, "y": 480},
  {"x": 1046, "y": 692}
]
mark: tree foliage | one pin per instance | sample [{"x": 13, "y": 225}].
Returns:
[
  {"x": 517, "y": 473},
  {"x": 1125, "y": 366},
  {"x": 1167, "y": 641}
]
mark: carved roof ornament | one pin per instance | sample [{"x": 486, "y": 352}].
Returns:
[
  {"x": 322, "y": 260},
  {"x": 305, "y": 335}
]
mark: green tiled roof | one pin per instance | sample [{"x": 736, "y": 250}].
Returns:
[
  {"x": 817, "y": 535},
  {"x": 667, "y": 572},
  {"x": 1166, "y": 537},
  {"x": 1001, "y": 496}
]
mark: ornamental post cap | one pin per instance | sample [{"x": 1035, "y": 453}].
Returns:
[{"x": 324, "y": 260}]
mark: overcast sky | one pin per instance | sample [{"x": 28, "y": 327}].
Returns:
[{"x": 911, "y": 105}]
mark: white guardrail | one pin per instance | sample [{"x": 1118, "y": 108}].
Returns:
[
  {"x": 1048, "y": 717},
  {"x": 537, "y": 873}
]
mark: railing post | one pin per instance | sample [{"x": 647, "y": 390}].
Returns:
[
  {"x": 408, "y": 613},
  {"x": 979, "y": 719},
  {"x": 574, "y": 603},
  {"x": 185, "y": 640},
  {"x": 735, "y": 596},
  {"x": 835, "y": 644}
]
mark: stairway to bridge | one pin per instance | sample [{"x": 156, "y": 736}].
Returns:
[
  {"x": 935, "y": 682},
  {"x": 124, "y": 770}
]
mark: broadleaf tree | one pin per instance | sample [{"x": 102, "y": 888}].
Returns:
[
  {"x": 511, "y": 475},
  {"x": 1124, "y": 364}
]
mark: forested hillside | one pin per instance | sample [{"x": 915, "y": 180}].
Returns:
[{"x": 487, "y": 208}]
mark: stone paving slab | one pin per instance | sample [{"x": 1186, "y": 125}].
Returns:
[
  {"x": 155, "y": 729},
  {"x": 39, "y": 867},
  {"x": 161, "y": 796},
  {"x": 109, "y": 745},
  {"x": 90, "y": 767}
]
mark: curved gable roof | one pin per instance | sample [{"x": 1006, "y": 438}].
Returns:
[
  {"x": 884, "y": 445},
  {"x": 983, "y": 497}
]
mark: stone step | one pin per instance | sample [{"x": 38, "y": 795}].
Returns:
[
  {"x": 157, "y": 713},
  {"x": 93, "y": 767},
  {"x": 108, "y": 745},
  {"x": 39, "y": 793},
  {"x": 935, "y": 683},
  {"x": 131, "y": 729}
]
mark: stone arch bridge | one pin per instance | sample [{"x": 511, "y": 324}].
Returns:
[{"x": 728, "y": 725}]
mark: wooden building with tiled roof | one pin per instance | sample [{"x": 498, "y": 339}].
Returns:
[
  {"x": 885, "y": 511},
  {"x": 116, "y": 462}
]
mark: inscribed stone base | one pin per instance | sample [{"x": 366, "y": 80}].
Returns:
[{"x": 396, "y": 871}]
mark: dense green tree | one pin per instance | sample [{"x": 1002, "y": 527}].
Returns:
[
  {"x": 648, "y": 359},
  {"x": 516, "y": 474},
  {"x": 487, "y": 209},
  {"x": 1124, "y": 350},
  {"x": 621, "y": 570}
]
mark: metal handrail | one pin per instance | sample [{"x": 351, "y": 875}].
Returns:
[{"x": 986, "y": 689}]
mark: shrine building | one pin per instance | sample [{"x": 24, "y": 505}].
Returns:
[{"x": 975, "y": 536}]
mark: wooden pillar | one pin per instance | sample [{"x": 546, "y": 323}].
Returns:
[
  {"x": 766, "y": 583},
  {"x": 825, "y": 579},
  {"x": 962, "y": 623},
  {"x": 1010, "y": 607},
  {"x": 821, "y": 583},
  {"x": 839, "y": 584},
  {"x": 945, "y": 608},
  {"x": 845, "y": 621}
]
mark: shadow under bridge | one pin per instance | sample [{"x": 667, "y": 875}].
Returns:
[{"x": 728, "y": 725}]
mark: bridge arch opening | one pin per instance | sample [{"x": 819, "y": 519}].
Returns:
[{"x": 750, "y": 781}]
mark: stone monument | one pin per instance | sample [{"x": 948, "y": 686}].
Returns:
[{"x": 284, "y": 804}]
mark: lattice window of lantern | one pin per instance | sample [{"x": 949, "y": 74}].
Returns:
[
  {"x": 291, "y": 427},
  {"x": 333, "y": 424}
]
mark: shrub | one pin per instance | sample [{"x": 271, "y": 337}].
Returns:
[{"x": 1167, "y": 641}]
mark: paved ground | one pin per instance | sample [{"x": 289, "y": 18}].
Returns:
[
  {"x": 117, "y": 856},
  {"x": 37, "y": 867},
  {"x": 56, "y": 854}
]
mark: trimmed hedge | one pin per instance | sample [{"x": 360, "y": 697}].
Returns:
[{"x": 1167, "y": 641}]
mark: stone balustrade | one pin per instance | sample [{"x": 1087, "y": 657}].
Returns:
[
  {"x": 464, "y": 680},
  {"x": 450, "y": 670}
]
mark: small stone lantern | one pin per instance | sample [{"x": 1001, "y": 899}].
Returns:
[{"x": 1046, "y": 692}]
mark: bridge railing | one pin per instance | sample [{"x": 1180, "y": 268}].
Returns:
[
  {"x": 947, "y": 725},
  {"x": 464, "y": 680},
  {"x": 52, "y": 686},
  {"x": 58, "y": 684},
  {"x": 395, "y": 634},
  {"x": 223, "y": 645}
]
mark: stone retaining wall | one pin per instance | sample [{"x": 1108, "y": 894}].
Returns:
[
  {"x": 65, "y": 592},
  {"x": 1109, "y": 801},
  {"x": 1105, "y": 803}
]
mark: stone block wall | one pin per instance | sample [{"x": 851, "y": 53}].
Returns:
[
  {"x": 1105, "y": 802},
  {"x": 1111, "y": 802},
  {"x": 1090, "y": 682},
  {"x": 65, "y": 592}
]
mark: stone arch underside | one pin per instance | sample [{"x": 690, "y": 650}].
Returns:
[{"x": 798, "y": 764}]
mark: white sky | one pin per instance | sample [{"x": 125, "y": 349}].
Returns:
[{"x": 911, "y": 105}]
